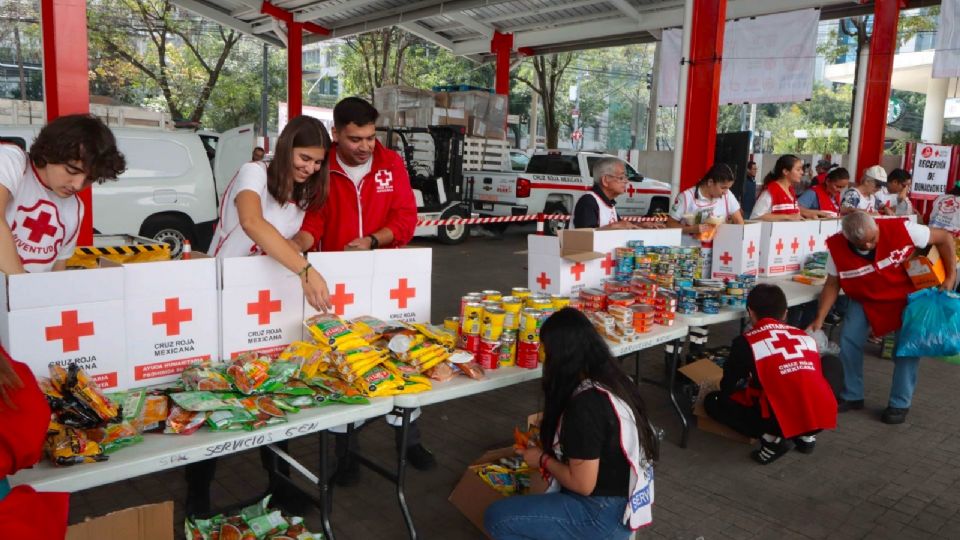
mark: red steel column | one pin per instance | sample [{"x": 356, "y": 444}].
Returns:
[
  {"x": 66, "y": 86},
  {"x": 876, "y": 96},
  {"x": 294, "y": 70},
  {"x": 703, "y": 90},
  {"x": 502, "y": 45}
]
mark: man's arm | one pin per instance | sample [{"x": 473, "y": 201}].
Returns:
[
  {"x": 311, "y": 230},
  {"x": 948, "y": 254},
  {"x": 402, "y": 216},
  {"x": 737, "y": 368},
  {"x": 828, "y": 296},
  {"x": 9, "y": 258}
]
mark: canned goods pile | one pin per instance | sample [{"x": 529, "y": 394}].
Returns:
[
  {"x": 737, "y": 289},
  {"x": 504, "y": 330}
]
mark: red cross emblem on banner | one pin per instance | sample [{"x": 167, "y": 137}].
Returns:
[
  {"x": 726, "y": 258},
  {"x": 795, "y": 245},
  {"x": 172, "y": 316},
  {"x": 543, "y": 280},
  {"x": 341, "y": 298},
  {"x": 784, "y": 343},
  {"x": 403, "y": 293},
  {"x": 812, "y": 242},
  {"x": 751, "y": 249},
  {"x": 264, "y": 307},
  {"x": 40, "y": 227},
  {"x": 779, "y": 245},
  {"x": 70, "y": 331},
  {"x": 607, "y": 264},
  {"x": 577, "y": 270}
]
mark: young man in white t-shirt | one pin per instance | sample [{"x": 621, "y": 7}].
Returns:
[{"x": 38, "y": 191}]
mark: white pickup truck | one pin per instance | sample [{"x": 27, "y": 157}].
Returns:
[{"x": 553, "y": 182}]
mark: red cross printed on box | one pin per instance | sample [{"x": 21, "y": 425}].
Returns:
[
  {"x": 726, "y": 258},
  {"x": 795, "y": 245},
  {"x": 543, "y": 280},
  {"x": 403, "y": 293},
  {"x": 750, "y": 249},
  {"x": 577, "y": 270},
  {"x": 172, "y": 316},
  {"x": 782, "y": 342},
  {"x": 607, "y": 264},
  {"x": 264, "y": 307},
  {"x": 40, "y": 227},
  {"x": 779, "y": 245},
  {"x": 341, "y": 298},
  {"x": 70, "y": 331},
  {"x": 812, "y": 242}
]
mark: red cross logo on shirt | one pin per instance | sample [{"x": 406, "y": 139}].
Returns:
[
  {"x": 779, "y": 245},
  {"x": 384, "y": 180},
  {"x": 726, "y": 258},
  {"x": 70, "y": 331},
  {"x": 263, "y": 308},
  {"x": 750, "y": 249},
  {"x": 812, "y": 242},
  {"x": 795, "y": 245},
  {"x": 543, "y": 280},
  {"x": 172, "y": 316},
  {"x": 607, "y": 264},
  {"x": 40, "y": 227},
  {"x": 784, "y": 343},
  {"x": 577, "y": 270},
  {"x": 402, "y": 294},
  {"x": 341, "y": 299}
]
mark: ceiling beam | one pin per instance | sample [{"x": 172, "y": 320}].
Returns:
[
  {"x": 472, "y": 23},
  {"x": 606, "y": 15},
  {"x": 411, "y": 12},
  {"x": 626, "y": 8},
  {"x": 543, "y": 10},
  {"x": 420, "y": 30},
  {"x": 317, "y": 11},
  {"x": 215, "y": 14}
]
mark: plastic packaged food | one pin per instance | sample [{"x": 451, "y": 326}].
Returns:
[
  {"x": 205, "y": 377},
  {"x": 200, "y": 401},
  {"x": 184, "y": 422},
  {"x": 249, "y": 372},
  {"x": 67, "y": 446}
]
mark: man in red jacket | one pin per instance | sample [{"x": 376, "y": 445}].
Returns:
[{"x": 370, "y": 205}]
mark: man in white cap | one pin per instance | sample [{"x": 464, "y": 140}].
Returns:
[{"x": 863, "y": 196}]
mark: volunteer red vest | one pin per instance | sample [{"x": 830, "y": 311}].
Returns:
[
  {"x": 825, "y": 201},
  {"x": 608, "y": 214},
  {"x": 791, "y": 378},
  {"x": 782, "y": 201},
  {"x": 881, "y": 285}
]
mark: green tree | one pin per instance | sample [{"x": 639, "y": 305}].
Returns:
[
  {"x": 236, "y": 98},
  {"x": 544, "y": 77}
]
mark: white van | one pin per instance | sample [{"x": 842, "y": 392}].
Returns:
[{"x": 173, "y": 182}]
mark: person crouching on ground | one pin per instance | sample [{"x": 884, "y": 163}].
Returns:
[
  {"x": 601, "y": 445},
  {"x": 774, "y": 387}
]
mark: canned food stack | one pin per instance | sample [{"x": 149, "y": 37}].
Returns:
[
  {"x": 592, "y": 300},
  {"x": 665, "y": 304},
  {"x": 644, "y": 317},
  {"x": 687, "y": 301},
  {"x": 645, "y": 289},
  {"x": 504, "y": 330},
  {"x": 491, "y": 329},
  {"x": 620, "y": 299},
  {"x": 616, "y": 285},
  {"x": 625, "y": 262}
]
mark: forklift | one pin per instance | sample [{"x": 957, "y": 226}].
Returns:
[{"x": 439, "y": 187}]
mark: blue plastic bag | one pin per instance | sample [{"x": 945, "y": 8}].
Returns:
[{"x": 931, "y": 324}]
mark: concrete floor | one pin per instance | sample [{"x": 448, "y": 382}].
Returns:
[{"x": 865, "y": 480}]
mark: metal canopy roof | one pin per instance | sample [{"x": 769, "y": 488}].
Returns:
[{"x": 466, "y": 26}]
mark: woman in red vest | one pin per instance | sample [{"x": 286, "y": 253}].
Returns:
[
  {"x": 25, "y": 513},
  {"x": 778, "y": 200},
  {"x": 825, "y": 196},
  {"x": 774, "y": 387},
  {"x": 867, "y": 261}
]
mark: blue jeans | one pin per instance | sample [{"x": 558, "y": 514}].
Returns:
[
  {"x": 557, "y": 516},
  {"x": 853, "y": 335}
]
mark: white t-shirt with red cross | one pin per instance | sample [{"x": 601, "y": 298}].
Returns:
[
  {"x": 44, "y": 225},
  {"x": 229, "y": 239}
]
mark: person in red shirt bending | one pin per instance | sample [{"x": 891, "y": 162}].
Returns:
[{"x": 370, "y": 205}]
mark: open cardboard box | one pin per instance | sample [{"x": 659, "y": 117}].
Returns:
[
  {"x": 925, "y": 268},
  {"x": 147, "y": 522},
  {"x": 707, "y": 375}
]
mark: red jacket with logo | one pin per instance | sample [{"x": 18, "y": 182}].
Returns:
[
  {"x": 880, "y": 284},
  {"x": 383, "y": 199}
]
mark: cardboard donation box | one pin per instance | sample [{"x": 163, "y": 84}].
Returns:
[
  {"x": 171, "y": 317},
  {"x": 925, "y": 268},
  {"x": 707, "y": 375},
  {"x": 828, "y": 228},
  {"x": 402, "y": 284},
  {"x": 75, "y": 316},
  {"x": 784, "y": 246},
  {"x": 261, "y": 306},
  {"x": 147, "y": 522},
  {"x": 349, "y": 276},
  {"x": 472, "y": 495},
  {"x": 581, "y": 258},
  {"x": 736, "y": 250}
]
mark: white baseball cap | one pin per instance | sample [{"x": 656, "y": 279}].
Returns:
[{"x": 877, "y": 173}]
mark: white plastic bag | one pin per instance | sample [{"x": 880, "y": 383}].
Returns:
[{"x": 824, "y": 345}]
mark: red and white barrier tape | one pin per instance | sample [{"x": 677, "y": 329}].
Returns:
[{"x": 519, "y": 219}]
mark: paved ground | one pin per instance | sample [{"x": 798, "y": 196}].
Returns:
[{"x": 865, "y": 480}]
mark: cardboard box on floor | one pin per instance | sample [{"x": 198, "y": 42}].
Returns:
[
  {"x": 472, "y": 495},
  {"x": 707, "y": 375},
  {"x": 148, "y": 522}
]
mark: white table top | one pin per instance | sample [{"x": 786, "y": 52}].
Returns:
[
  {"x": 658, "y": 336},
  {"x": 161, "y": 452},
  {"x": 797, "y": 293}
]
